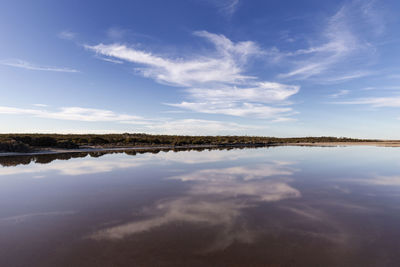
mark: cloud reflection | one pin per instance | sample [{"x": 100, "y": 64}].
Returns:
[
  {"x": 196, "y": 157},
  {"x": 73, "y": 167},
  {"x": 382, "y": 180},
  {"x": 185, "y": 209},
  {"x": 93, "y": 165},
  {"x": 25, "y": 217},
  {"x": 216, "y": 197},
  {"x": 245, "y": 173}
]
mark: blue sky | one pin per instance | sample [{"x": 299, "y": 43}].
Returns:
[{"x": 274, "y": 68}]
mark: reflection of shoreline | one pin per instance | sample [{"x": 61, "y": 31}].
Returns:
[
  {"x": 44, "y": 158},
  {"x": 49, "y": 151},
  {"x": 139, "y": 149}
]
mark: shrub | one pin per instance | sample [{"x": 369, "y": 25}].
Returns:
[{"x": 14, "y": 146}]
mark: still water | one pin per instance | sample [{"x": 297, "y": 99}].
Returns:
[{"x": 279, "y": 206}]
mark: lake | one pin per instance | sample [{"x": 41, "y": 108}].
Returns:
[{"x": 277, "y": 206}]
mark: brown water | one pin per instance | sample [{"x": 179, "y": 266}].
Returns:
[{"x": 280, "y": 206}]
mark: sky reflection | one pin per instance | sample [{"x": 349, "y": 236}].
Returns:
[
  {"x": 216, "y": 197},
  {"x": 316, "y": 205}
]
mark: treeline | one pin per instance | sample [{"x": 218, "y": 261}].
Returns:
[{"x": 29, "y": 142}]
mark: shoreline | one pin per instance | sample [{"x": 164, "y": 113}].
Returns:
[
  {"x": 49, "y": 151},
  {"x": 340, "y": 144}
]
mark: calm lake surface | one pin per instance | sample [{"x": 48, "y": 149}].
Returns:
[{"x": 279, "y": 206}]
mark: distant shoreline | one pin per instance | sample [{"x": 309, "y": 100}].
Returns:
[
  {"x": 386, "y": 143},
  {"x": 49, "y": 151},
  {"x": 33, "y": 144}
]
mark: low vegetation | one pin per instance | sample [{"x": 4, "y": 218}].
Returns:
[{"x": 30, "y": 142}]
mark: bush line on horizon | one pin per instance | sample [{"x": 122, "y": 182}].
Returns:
[{"x": 28, "y": 142}]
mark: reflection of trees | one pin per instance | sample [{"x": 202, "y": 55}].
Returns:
[
  {"x": 41, "y": 159},
  {"x": 97, "y": 154},
  {"x": 130, "y": 152},
  {"x": 44, "y": 159},
  {"x": 47, "y": 158},
  {"x": 13, "y": 161}
]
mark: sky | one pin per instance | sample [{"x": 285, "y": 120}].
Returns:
[{"x": 201, "y": 67}]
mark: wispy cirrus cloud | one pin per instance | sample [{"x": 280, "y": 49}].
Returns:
[
  {"x": 340, "y": 43},
  {"x": 40, "y": 105},
  {"x": 110, "y": 60},
  {"x": 225, "y": 7},
  {"x": 350, "y": 75},
  {"x": 339, "y": 93},
  {"x": 228, "y": 7},
  {"x": 344, "y": 38},
  {"x": 377, "y": 102},
  {"x": 67, "y": 35},
  {"x": 18, "y": 63},
  {"x": 215, "y": 82}
]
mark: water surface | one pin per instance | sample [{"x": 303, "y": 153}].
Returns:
[{"x": 279, "y": 206}]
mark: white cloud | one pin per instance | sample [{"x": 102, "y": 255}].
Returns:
[
  {"x": 29, "y": 66},
  {"x": 141, "y": 124},
  {"x": 224, "y": 66},
  {"x": 339, "y": 93},
  {"x": 393, "y": 101},
  {"x": 264, "y": 92},
  {"x": 199, "y": 127},
  {"x": 225, "y": 7},
  {"x": 234, "y": 109},
  {"x": 230, "y": 7},
  {"x": 74, "y": 114},
  {"x": 215, "y": 81},
  {"x": 284, "y": 119},
  {"x": 67, "y": 35},
  {"x": 110, "y": 60},
  {"x": 245, "y": 102},
  {"x": 347, "y": 76},
  {"x": 340, "y": 43},
  {"x": 343, "y": 38}
]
